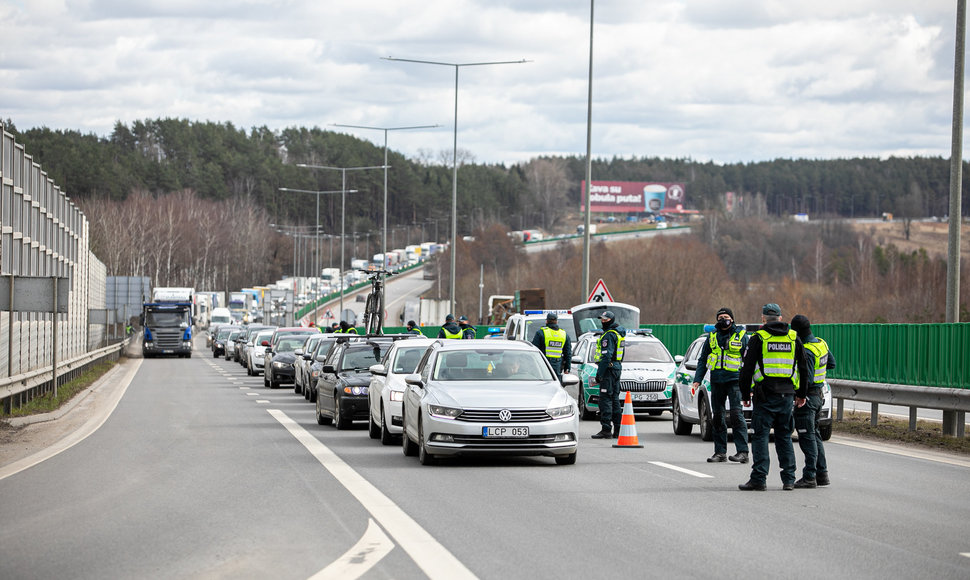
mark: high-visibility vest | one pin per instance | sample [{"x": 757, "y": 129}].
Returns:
[
  {"x": 555, "y": 341},
  {"x": 821, "y": 351},
  {"x": 777, "y": 357},
  {"x": 728, "y": 359},
  {"x": 452, "y": 334},
  {"x": 416, "y": 330},
  {"x": 619, "y": 344}
]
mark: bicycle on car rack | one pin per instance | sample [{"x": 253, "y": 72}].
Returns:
[{"x": 374, "y": 307}]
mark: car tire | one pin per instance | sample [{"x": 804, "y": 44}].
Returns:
[
  {"x": 296, "y": 387},
  {"x": 825, "y": 431},
  {"x": 249, "y": 371},
  {"x": 339, "y": 421},
  {"x": 566, "y": 459},
  {"x": 410, "y": 449},
  {"x": 313, "y": 394},
  {"x": 681, "y": 426},
  {"x": 266, "y": 379},
  {"x": 323, "y": 420},
  {"x": 424, "y": 458},
  {"x": 372, "y": 429},
  {"x": 386, "y": 437},
  {"x": 215, "y": 355},
  {"x": 706, "y": 421},
  {"x": 584, "y": 413}
]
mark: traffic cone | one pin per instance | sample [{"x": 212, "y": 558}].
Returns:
[{"x": 628, "y": 426}]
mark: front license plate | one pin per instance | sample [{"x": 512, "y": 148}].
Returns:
[
  {"x": 644, "y": 396},
  {"x": 505, "y": 432}
]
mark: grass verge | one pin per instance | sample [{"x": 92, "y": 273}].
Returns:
[
  {"x": 65, "y": 392},
  {"x": 928, "y": 434}
]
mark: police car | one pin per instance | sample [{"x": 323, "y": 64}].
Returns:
[
  {"x": 648, "y": 373},
  {"x": 524, "y": 326},
  {"x": 693, "y": 406}
]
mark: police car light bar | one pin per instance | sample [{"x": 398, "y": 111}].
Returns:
[{"x": 547, "y": 311}]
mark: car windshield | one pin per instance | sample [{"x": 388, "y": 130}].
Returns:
[
  {"x": 289, "y": 344},
  {"x": 407, "y": 358},
  {"x": 491, "y": 365},
  {"x": 360, "y": 358},
  {"x": 223, "y": 333},
  {"x": 262, "y": 336},
  {"x": 531, "y": 326},
  {"x": 324, "y": 348},
  {"x": 645, "y": 352}
]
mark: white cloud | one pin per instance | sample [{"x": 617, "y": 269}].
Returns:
[{"x": 744, "y": 80}]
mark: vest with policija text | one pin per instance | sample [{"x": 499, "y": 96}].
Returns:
[
  {"x": 777, "y": 357},
  {"x": 555, "y": 341},
  {"x": 728, "y": 359}
]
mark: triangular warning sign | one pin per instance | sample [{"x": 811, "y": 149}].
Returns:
[{"x": 600, "y": 293}]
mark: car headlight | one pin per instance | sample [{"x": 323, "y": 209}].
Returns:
[
  {"x": 281, "y": 365},
  {"x": 396, "y": 395},
  {"x": 443, "y": 412},
  {"x": 315, "y": 374},
  {"x": 560, "y": 412},
  {"x": 355, "y": 390}
]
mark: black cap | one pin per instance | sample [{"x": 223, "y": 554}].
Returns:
[
  {"x": 412, "y": 323},
  {"x": 552, "y": 316},
  {"x": 462, "y": 318},
  {"x": 450, "y": 318},
  {"x": 801, "y": 325},
  {"x": 771, "y": 309},
  {"x": 725, "y": 310},
  {"x": 608, "y": 314}
]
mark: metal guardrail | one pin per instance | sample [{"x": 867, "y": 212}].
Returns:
[
  {"x": 26, "y": 386},
  {"x": 953, "y": 402}
]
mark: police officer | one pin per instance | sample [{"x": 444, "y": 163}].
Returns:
[
  {"x": 609, "y": 353},
  {"x": 775, "y": 363},
  {"x": 819, "y": 360},
  {"x": 346, "y": 328},
  {"x": 554, "y": 343},
  {"x": 413, "y": 328},
  {"x": 721, "y": 354},
  {"x": 467, "y": 330},
  {"x": 450, "y": 328}
]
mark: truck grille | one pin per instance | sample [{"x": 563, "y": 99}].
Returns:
[
  {"x": 652, "y": 386},
  {"x": 168, "y": 338},
  {"x": 491, "y": 416}
]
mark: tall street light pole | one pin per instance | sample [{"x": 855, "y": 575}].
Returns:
[
  {"x": 385, "y": 129},
  {"x": 343, "y": 216},
  {"x": 589, "y": 158},
  {"x": 454, "y": 161},
  {"x": 316, "y": 235}
]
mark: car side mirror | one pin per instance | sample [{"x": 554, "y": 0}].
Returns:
[
  {"x": 570, "y": 380},
  {"x": 378, "y": 369},
  {"x": 414, "y": 379},
  {"x": 576, "y": 360},
  {"x": 298, "y": 352},
  {"x": 329, "y": 369},
  {"x": 679, "y": 358},
  {"x": 691, "y": 366}
]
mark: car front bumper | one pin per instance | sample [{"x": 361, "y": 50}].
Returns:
[{"x": 557, "y": 437}]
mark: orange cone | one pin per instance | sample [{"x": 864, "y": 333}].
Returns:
[{"x": 628, "y": 426}]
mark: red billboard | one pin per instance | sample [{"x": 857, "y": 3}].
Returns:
[{"x": 633, "y": 196}]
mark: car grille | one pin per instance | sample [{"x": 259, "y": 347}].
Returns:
[
  {"x": 654, "y": 386},
  {"x": 491, "y": 416},
  {"x": 493, "y": 442}
]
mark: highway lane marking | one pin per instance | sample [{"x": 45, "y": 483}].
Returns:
[
  {"x": 965, "y": 554},
  {"x": 434, "y": 559},
  {"x": 252, "y": 394},
  {"x": 361, "y": 557},
  {"x": 264, "y": 401},
  {"x": 681, "y": 469},
  {"x": 89, "y": 427},
  {"x": 895, "y": 450}
]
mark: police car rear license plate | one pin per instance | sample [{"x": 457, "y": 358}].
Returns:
[
  {"x": 643, "y": 396},
  {"x": 505, "y": 432}
]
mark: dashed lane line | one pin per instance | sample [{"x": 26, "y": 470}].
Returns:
[
  {"x": 434, "y": 559},
  {"x": 360, "y": 558},
  {"x": 681, "y": 469}
]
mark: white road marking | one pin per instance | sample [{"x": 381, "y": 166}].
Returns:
[
  {"x": 681, "y": 469},
  {"x": 360, "y": 558},
  {"x": 434, "y": 559},
  {"x": 965, "y": 554},
  {"x": 244, "y": 388},
  {"x": 265, "y": 401},
  {"x": 904, "y": 451},
  {"x": 252, "y": 394}
]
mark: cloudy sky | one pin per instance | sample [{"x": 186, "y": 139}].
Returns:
[{"x": 720, "y": 80}]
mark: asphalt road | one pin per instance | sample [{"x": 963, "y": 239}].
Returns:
[{"x": 200, "y": 472}]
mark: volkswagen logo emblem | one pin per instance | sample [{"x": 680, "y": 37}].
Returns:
[
  {"x": 505, "y": 415},
  {"x": 639, "y": 377}
]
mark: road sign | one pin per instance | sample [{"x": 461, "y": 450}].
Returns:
[
  {"x": 328, "y": 314},
  {"x": 600, "y": 293}
]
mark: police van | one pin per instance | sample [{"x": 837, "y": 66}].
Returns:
[
  {"x": 524, "y": 326},
  {"x": 693, "y": 406}
]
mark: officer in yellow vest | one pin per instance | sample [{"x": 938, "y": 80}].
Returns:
[
  {"x": 819, "y": 361},
  {"x": 412, "y": 328},
  {"x": 609, "y": 353},
  {"x": 554, "y": 343},
  {"x": 346, "y": 328},
  {"x": 721, "y": 355},
  {"x": 450, "y": 328},
  {"x": 775, "y": 363}
]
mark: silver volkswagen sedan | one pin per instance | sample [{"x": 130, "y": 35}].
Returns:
[{"x": 488, "y": 397}]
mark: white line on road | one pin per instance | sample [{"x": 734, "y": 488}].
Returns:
[
  {"x": 965, "y": 554},
  {"x": 252, "y": 394},
  {"x": 904, "y": 451},
  {"x": 681, "y": 469},
  {"x": 360, "y": 558},
  {"x": 434, "y": 559},
  {"x": 264, "y": 401}
]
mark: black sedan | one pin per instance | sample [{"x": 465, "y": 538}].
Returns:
[
  {"x": 344, "y": 380},
  {"x": 281, "y": 369}
]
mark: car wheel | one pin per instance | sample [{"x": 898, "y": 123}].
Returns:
[
  {"x": 584, "y": 413},
  {"x": 321, "y": 419},
  {"x": 339, "y": 421},
  {"x": 266, "y": 378},
  {"x": 372, "y": 429},
  {"x": 386, "y": 437},
  {"x": 313, "y": 394},
  {"x": 215, "y": 355},
  {"x": 249, "y": 371},
  {"x": 306, "y": 392},
  {"x": 296, "y": 387},
  {"x": 825, "y": 431},
  {"x": 410, "y": 449},
  {"x": 566, "y": 459},
  {"x": 424, "y": 458},
  {"x": 681, "y": 427},
  {"x": 706, "y": 421}
]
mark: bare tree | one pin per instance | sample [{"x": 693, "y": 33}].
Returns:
[{"x": 548, "y": 183}]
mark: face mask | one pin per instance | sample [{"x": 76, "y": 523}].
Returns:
[
  {"x": 605, "y": 323},
  {"x": 723, "y": 324}
]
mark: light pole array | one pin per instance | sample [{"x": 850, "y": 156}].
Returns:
[
  {"x": 386, "y": 166},
  {"x": 316, "y": 241},
  {"x": 343, "y": 216},
  {"x": 454, "y": 179}
]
